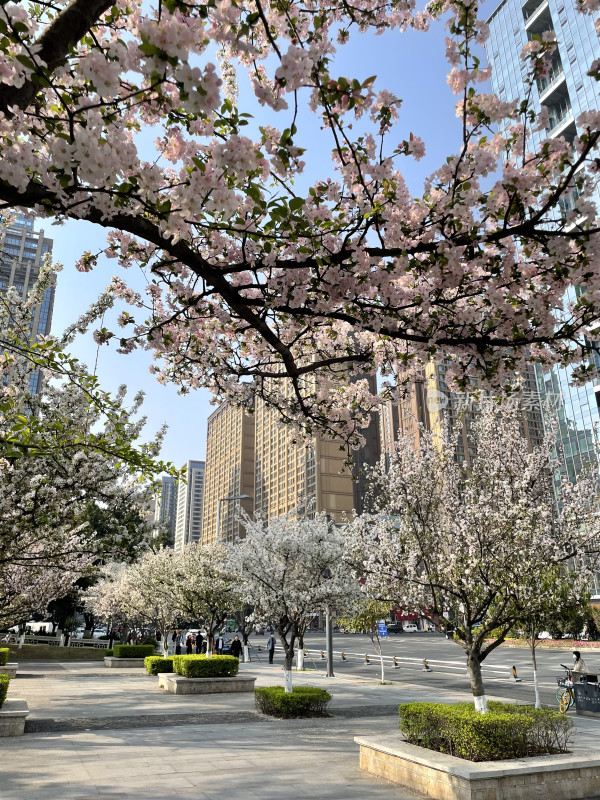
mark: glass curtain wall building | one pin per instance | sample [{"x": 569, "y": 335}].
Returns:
[
  {"x": 566, "y": 92},
  {"x": 21, "y": 255}
]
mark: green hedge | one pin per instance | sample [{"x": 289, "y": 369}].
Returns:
[
  {"x": 507, "y": 731},
  {"x": 108, "y": 652},
  {"x": 4, "y": 653},
  {"x": 199, "y": 666},
  {"x": 302, "y": 701},
  {"x": 133, "y": 650},
  {"x": 4, "y": 681},
  {"x": 156, "y": 664}
]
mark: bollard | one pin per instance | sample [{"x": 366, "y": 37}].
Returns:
[
  {"x": 515, "y": 677},
  {"x": 396, "y": 664},
  {"x": 305, "y": 652},
  {"x": 426, "y": 667},
  {"x": 367, "y": 659},
  {"x": 322, "y": 655},
  {"x": 344, "y": 657}
]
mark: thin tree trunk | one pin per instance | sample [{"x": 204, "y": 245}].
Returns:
[
  {"x": 287, "y": 667},
  {"x": 300, "y": 658},
  {"x": 536, "y": 686},
  {"x": 474, "y": 667}
]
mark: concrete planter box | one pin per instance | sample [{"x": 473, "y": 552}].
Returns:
[
  {"x": 564, "y": 777},
  {"x": 123, "y": 663},
  {"x": 10, "y": 669},
  {"x": 12, "y": 717},
  {"x": 178, "y": 684}
]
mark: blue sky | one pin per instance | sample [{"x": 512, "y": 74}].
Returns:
[{"x": 412, "y": 65}]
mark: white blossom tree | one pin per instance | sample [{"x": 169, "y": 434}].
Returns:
[
  {"x": 207, "y": 589},
  {"x": 473, "y": 545},
  {"x": 289, "y": 569},
  {"x": 144, "y": 592},
  {"x": 63, "y": 450},
  {"x": 256, "y": 271}
]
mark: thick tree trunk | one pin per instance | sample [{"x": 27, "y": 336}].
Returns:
[
  {"x": 474, "y": 667},
  {"x": 288, "y": 657}
]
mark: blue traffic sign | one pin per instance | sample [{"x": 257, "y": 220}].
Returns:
[{"x": 382, "y": 630}]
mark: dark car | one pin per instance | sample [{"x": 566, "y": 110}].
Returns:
[{"x": 395, "y": 627}]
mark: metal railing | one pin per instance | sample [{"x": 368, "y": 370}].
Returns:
[
  {"x": 52, "y": 641},
  {"x": 507, "y": 672}
]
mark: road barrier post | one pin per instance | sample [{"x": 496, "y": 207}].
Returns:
[{"x": 426, "y": 667}]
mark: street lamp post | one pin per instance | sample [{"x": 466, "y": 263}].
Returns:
[
  {"x": 218, "y": 536},
  {"x": 328, "y": 631},
  {"x": 226, "y": 500}
]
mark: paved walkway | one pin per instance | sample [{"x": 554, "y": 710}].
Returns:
[{"x": 104, "y": 734}]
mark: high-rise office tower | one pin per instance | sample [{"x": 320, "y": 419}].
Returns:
[
  {"x": 566, "y": 92},
  {"x": 229, "y": 477},
  {"x": 165, "y": 511},
  {"x": 22, "y": 250},
  {"x": 188, "y": 522}
]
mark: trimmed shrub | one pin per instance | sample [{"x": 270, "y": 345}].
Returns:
[
  {"x": 133, "y": 650},
  {"x": 507, "y": 731},
  {"x": 199, "y": 666},
  {"x": 4, "y": 653},
  {"x": 156, "y": 664},
  {"x": 302, "y": 701},
  {"x": 108, "y": 652},
  {"x": 4, "y": 681}
]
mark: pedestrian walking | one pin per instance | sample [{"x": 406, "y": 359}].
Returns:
[
  {"x": 271, "y": 646},
  {"x": 189, "y": 644},
  {"x": 178, "y": 644},
  {"x": 236, "y": 647},
  {"x": 579, "y": 665},
  {"x": 219, "y": 643},
  {"x": 198, "y": 643}
]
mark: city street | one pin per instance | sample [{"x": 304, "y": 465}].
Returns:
[{"x": 447, "y": 663}]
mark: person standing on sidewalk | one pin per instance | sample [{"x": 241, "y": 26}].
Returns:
[
  {"x": 235, "y": 648},
  {"x": 271, "y": 641}
]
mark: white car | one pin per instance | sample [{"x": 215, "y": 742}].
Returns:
[{"x": 409, "y": 627}]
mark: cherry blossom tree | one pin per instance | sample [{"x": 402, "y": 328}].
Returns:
[
  {"x": 206, "y": 588},
  {"x": 289, "y": 569},
  {"x": 252, "y": 276},
  {"x": 479, "y": 547}
]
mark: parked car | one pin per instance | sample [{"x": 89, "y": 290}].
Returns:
[
  {"x": 395, "y": 627},
  {"x": 409, "y": 627}
]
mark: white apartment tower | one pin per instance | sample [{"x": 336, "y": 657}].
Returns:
[{"x": 190, "y": 497}]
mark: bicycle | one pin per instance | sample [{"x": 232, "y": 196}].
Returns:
[{"x": 564, "y": 694}]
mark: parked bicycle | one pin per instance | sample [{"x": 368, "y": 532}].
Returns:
[{"x": 564, "y": 694}]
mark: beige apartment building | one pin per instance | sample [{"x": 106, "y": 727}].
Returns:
[
  {"x": 255, "y": 455},
  {"x": 427, "y": 400},
  {"x": 302, "y": 478},
  {"x": 229, "y": 473}
]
